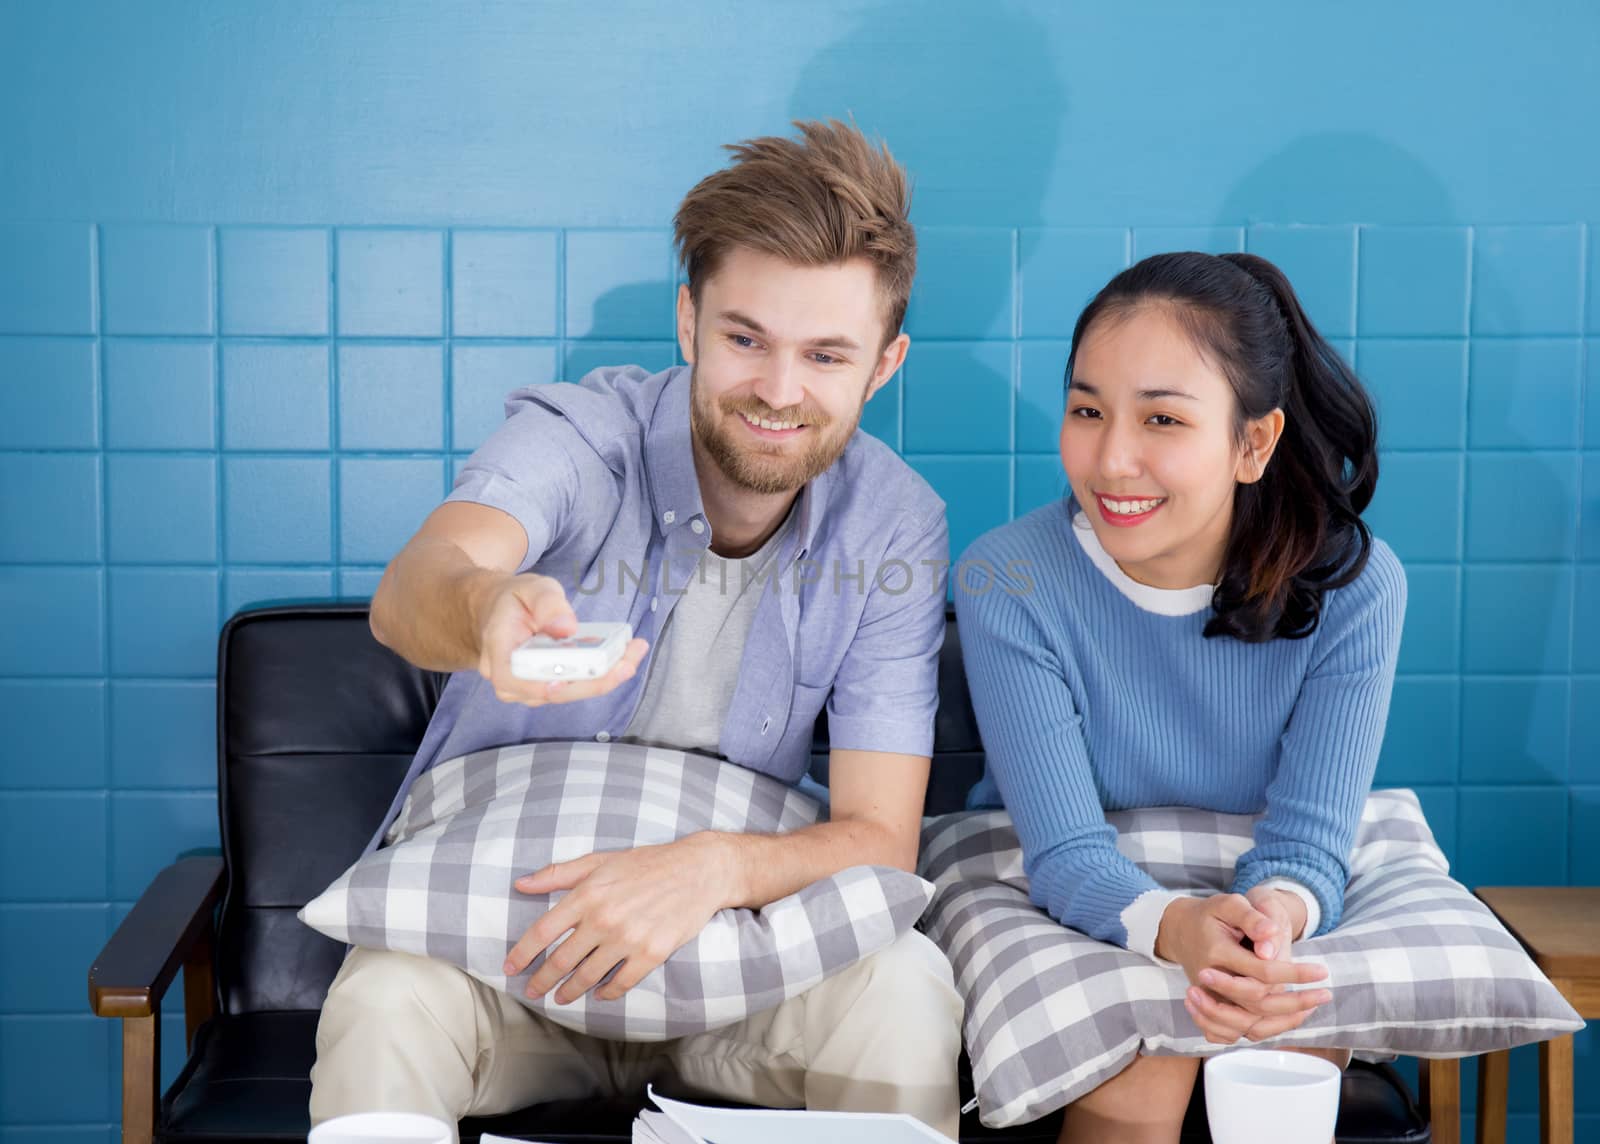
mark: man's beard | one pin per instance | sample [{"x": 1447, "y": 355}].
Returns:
[{"x": 763, "y": 467}]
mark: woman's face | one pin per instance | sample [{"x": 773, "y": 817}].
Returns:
[{"x": 1149, "y": 446}]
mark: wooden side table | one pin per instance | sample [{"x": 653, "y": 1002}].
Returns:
[{"x": 1560, "y": 928}]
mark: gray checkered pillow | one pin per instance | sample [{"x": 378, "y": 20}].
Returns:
[
  {"x": 1417, "y": 965},
  {"x": 442, "y": 886}
]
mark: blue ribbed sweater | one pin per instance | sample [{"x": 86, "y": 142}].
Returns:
[{"x": 1088, "y": 702}]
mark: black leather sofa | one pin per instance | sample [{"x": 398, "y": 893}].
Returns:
[{"x": 317, "y": 722}]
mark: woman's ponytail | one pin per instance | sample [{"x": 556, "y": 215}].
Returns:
[{"x": 1321, "y": 479}]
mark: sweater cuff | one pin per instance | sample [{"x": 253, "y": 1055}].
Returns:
[
  {"x": 1142, "y": 920},
  {"x": 1329, "y": 893},
  {"x": 1303, "y": 892}
]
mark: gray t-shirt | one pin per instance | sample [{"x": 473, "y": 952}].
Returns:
[{"x": 694, "y": 667}]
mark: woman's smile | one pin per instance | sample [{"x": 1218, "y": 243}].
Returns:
[{"x": 1125, "y": 512}]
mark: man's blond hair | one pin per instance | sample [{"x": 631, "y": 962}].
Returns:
[{"x": 819, "y": 200}]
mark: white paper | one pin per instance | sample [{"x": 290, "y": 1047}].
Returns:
[
  {"x": 657, "y": 1128},
  {"x": 788, "y": 1126}
]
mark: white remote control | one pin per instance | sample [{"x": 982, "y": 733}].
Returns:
[{"x": 587, "y": 654}]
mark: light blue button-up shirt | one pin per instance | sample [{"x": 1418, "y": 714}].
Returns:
[{"x": 601, "y": 477}]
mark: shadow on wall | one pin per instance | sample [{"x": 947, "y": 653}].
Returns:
[
  {"x": 978, "y": 151},
  {"x": 1456, "y": 423},
  {"x": 977, "y": 148},
  {"x": 969, "y": 99},
  {"x": 1339, "y": 177},
  {"x": 632, "y": 324}
]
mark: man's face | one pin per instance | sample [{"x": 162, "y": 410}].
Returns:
[{"x": 785, "y": 358}]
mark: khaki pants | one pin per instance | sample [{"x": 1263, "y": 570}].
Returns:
[{"x": 400, "y": 1033}]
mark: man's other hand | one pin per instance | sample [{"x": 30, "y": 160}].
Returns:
[{"x": 625, "y": 910}]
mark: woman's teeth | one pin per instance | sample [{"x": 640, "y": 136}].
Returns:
[{"x": 1131, "y": 508}]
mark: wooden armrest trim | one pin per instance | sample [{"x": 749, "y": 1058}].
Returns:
[{"x": 132, "y": 973}]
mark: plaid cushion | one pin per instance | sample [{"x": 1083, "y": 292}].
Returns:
[
  {"x": 1417, "y": 965},
  {"x": 442, "y": 886}
]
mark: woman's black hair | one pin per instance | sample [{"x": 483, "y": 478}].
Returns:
[{"x": 1297, "y": 531}]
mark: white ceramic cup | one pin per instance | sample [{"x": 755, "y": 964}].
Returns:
[
  {"x": 382, "y": 1128},
  {"x": 1267, "y": 1096}
]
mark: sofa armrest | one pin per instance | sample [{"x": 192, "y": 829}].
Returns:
[{"x": 168, "y": 924}]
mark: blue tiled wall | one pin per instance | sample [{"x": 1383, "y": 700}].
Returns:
[{"x": 258, "y": 300}]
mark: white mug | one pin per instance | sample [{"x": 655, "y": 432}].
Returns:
[
  {"x": 1267, "y": 1096},
  {"x": 382, "y": 1128}
]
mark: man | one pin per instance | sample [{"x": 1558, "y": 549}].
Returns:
[{"x": 772, "y": 559}]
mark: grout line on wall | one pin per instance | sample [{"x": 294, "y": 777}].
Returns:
[
  {"x": 220, "y": 477},
  {"x": 384, "y": 454},
  {"x": 1461, "y": 596},
  {"x": 335, "y": 441},
  {"x": 561, "y": 306},
  {"x": 449, "y": 364},
  {"x": 1584, "y": 365},
  {"x": 1569, "y": 739},
  {"x": 1355, "y": 288},
  {"x": 97, "y": 247},
  {"x": 83, "y": 792},
  {"x": 1016, "y": 370},
  {"x": 336, "y": 455}
]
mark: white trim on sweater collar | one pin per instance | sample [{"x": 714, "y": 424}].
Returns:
[{"x": 1161, "y": 601}]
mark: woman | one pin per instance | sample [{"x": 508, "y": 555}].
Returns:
[{"x": 1203, "y": 621}]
